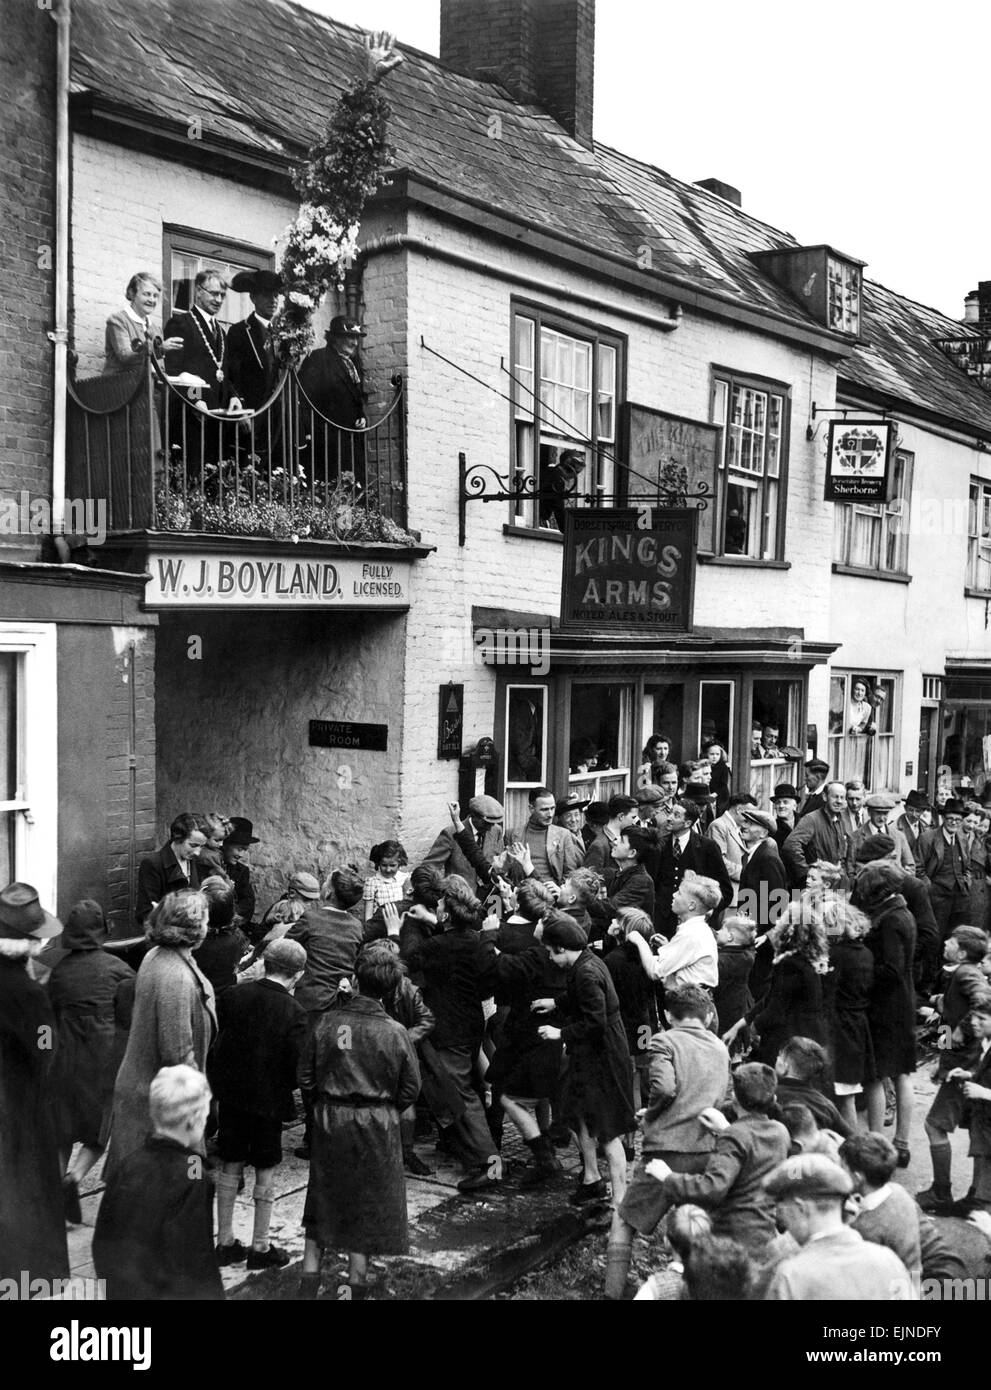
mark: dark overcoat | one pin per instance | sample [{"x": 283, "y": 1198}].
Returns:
[
  {"x": 154, "y": 1230},
  {"x": 32, "y": 1227},
  {"x": 598, "y": 1085},
  {"x": 92, "y": 995},
  {"x": 891, "y": 1016},
  {"x": 359, "y": 1068}
]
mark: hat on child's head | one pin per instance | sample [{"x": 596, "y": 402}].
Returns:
[
  {"x": 305, "y": 885},
  {"x": 808, "y": 1175}
]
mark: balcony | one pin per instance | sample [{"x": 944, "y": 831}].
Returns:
[{"x": 284, "y": 472}]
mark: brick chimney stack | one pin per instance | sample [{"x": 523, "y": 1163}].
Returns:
[{"x": 542, "y": 51}]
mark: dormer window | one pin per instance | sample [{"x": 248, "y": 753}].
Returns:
[
  {"x": 844, "y": 295},
  {"x": 828, "y": 284}
]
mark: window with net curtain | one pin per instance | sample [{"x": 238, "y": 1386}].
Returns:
[
  {"x": 564, "y": 388},
  {"x": 862, "y": 728},
  {"x": 874, "y": 535}
]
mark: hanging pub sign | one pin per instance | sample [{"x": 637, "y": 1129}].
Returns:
[
  {"x": 450, "y": 721},
  {"x": 673, "y": 459},
  {"x": 857, "y": 461},
  {"x": 620, "y": 574}
]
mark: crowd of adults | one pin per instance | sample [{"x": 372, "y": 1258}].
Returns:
[{"x": 742, "y": 986}]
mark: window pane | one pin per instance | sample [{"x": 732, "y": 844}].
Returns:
[
  {"x": 524, "y": 342},
  {"x": 186, "y": 266},
  {"x": 837, "y": 703},
  {"x": 742, "y": 520},
  {"x": 9, "y": 667},
  {"x": 600, "y": 727},
  {"x": 8, "y": 824},
  {"x": 716, "y": 714},
  {"x": 525, "y": 734},
  {"x": 524, "y": 368}
]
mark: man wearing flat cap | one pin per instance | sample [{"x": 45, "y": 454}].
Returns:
[
  {"x": 32, "y": 1226},
  {"x": 251, "y": 360},
  {"x": 835, "y": 1262},
  {"x": 332, "y": 383},
  {"x": 485, "y": 824},
  {"x": 879, "y": 806},
  {"x": 816, "y": 772},
  {"x": 946, "y": 867},
  {"x": 763, "y": 892}
]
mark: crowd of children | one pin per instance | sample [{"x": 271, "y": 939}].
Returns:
[{"x": 753, "y": 1050}]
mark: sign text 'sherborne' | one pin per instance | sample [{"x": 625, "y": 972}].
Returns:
[{"x": 619, "y": 573}]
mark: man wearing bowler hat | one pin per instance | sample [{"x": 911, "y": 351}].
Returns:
[
  {"x": 835, "y": 1262},
  {"x": 332, "y": 383},
  {"x": 784, "y": 804},
  {"x": 911, "y": 824},
  {"x": 236, "y": 848},
  {"x": 32, "y": 1226},
  {"x": 251, "y": 359},
  {"x": 946, "y": 868}
]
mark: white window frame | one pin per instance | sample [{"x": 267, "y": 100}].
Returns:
[
  {"x": 843, "y": 295},
  {"x": 892, "y": 520},
  {"x": 979, "y": 536},
  {"x": 768, "y": 482},
  {"x": 845, "y": 748},
  {"x": 36, "y": 801},
  {"x": 536, "y": 423},
  {"x": 542, "y": 779}
]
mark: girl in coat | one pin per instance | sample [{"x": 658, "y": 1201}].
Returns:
[
  {"x": 891, "y": 1016},
  {"x": 848, "y": 988},
  {"x": 174, "y": 1020},
  {"x": 359, "y": 1072},
  {"x": 92, "y": 995},
  {"x": 597, "y": 1096},
  {"x": 793, "y": 1005}
]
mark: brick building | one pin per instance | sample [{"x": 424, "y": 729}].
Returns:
[
  {"x": 539, "y": 296},
  {"x": 77, "y": 752}
]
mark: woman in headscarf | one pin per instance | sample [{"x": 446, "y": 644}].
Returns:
[
  {"x": 891, "y": 1015},
  {"x": 92, "y": 995},
  {"x": 174, "y": 1020}
]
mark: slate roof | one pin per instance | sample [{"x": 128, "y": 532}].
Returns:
[{"x": 265, "y": 74}]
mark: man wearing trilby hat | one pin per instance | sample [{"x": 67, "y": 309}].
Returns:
[{"x": 32, "y": 1228}]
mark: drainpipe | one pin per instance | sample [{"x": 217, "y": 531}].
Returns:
[
  {"x": 402, "y": 241},
  {"x": 59, "y": 336}
]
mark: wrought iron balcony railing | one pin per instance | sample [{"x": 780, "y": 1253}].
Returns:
[{"x": 138, "y": 442}]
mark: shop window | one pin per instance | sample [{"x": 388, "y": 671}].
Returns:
[
  {"x": 565, "y": 391},
  {"x": 526, "y": 735},
  {"x": 874, "y": 536},
  {"x": 979, "y": 538},
  {"x": 862, "y": 728},
  {"x": 187, "y": 253},
  {"x": 664, "y": 715},
  {"x": 601, "y": 732},
  {"x": 774, "y": 735},
  {"x": 716, "y": 714},
  {"x": 753, "y": 466}
]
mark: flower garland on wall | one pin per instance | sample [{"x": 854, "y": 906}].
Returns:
[{"x": 338, "y": 176}]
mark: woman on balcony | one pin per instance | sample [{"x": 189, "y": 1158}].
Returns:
[{"x": 132, "y": 332}]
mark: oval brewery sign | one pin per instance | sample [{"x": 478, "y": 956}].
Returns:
[{"x": 197, "y": 580}]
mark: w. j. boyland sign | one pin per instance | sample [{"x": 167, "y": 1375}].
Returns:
[
  {"x": 632, "y": 569},
  {"x": 201, "y": 580}
]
